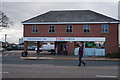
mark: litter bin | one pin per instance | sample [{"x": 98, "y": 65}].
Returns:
[
  {"x": 53, "y": 52},
  {"x": 24, "y": 54}
]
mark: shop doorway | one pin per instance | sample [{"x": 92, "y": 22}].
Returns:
[{"x": 61, "y": 48}]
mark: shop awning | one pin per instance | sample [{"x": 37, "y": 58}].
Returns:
[{"x": 63, "y": 38}]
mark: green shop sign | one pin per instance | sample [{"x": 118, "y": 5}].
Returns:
[{"x": 91, "y": 44}]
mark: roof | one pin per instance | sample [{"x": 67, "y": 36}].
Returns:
[{"x": 70, "y": 16}]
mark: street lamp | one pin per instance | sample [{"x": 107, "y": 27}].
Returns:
[{"x": 5, "y": 38}]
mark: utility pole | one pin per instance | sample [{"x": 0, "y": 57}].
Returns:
[
  {"x": 119, "y": 19},
  {"x": 5, "y": 40},
  {"x": 1, "y": 5},
  {"x": 119, "y": 10}
]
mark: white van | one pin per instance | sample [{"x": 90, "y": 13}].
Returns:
[
  {"x": 48, "y": 48},
  {"x": 2, "y": 49}
]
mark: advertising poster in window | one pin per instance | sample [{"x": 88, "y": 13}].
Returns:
[
  {"x": 89, "y": 44},
  {"x": 100, "y": 45}
]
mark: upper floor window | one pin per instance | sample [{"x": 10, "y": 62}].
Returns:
[
  {"x": 69, "y": 28},
  {"x": 86, "y": 28},
  {"x": 35, "y": 29},
  {"x": 105, "y": 28},
  {"x": 51, "y": 29}
]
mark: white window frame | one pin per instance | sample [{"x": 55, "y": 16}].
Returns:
[
  {"x": 50, "y": 29},
  {"x": 86, "y": 27},
  {"x": 35, "y": 29},
  {"x": 69, "y": 28},
  {"x": 105, "y": 28}
]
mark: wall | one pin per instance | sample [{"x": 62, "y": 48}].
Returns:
[
  {"x": 96, "y": 31},
  {"x": 119, "y": 49},
  {"x": 70, "y": 48}
]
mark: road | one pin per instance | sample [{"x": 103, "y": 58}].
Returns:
[{"x": 14, "y": 67}]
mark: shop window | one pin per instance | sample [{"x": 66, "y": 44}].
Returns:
[
  {"x": 105, "y": 28},
  {"x": 35, "y": 29},
  {"x": 100, "y": 45},
  {"x": 89, "y": 44},
  {"x": 86, "y": 28},
  {"x": 69, "y": 29},
  {"x": 51, "y": 29},
  {"x": 77, "y": 43},
  {"x": 96, "y": 44}
]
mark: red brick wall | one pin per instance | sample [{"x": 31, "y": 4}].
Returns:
[
  {"x": 60, "y": 31},
  {"x": 112, "y": 39},
  {"x": 70, "y": 48},
  {"x": 119, "y": 49}
]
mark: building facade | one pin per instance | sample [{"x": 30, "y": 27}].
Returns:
[
  {"x": 98, "y": 33},
  {"x": 1, "y": 44}
]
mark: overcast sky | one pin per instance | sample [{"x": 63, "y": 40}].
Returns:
[{"x": 20, "y": 11}]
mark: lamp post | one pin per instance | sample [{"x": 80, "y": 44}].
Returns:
[
  {"x": 119, "y": 19},
  {"x": 119, "y": 10},
  {"x": 5, "y": 40}
]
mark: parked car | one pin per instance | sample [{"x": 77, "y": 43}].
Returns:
[
  {"x": 48, "y": 48},
  {"x": 2, "y": 49},
  {"x": 32, "y": 48}
]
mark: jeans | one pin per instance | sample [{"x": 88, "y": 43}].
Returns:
[{"x": 80, "y": 60}]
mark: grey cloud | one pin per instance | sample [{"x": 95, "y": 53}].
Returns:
[{"x": 20, "y": 11}]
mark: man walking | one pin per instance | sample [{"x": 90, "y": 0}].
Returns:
[{"x": 81, "y": 55}]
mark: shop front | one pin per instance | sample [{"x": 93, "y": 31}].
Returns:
[{"x": 93, "y": 46}]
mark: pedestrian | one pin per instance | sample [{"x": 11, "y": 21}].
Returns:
[
  {"x": 56, "y": 50},
  {"x": 65, "y": 49},
  {"x": 81, "y": 55}
]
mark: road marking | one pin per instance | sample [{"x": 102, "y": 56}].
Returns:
[
  {"x": 6, "y": 55},
  {"x": 103, "y": 76},
  {"x": 4, "y": 72}
]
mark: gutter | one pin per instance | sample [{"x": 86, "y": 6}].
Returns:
[{"x": 69, "y": 22}]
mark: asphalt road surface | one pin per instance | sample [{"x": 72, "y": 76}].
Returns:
[{"x": 14, "y": 67}]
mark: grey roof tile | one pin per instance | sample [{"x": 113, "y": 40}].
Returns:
[{"x": 71, "y": 16}]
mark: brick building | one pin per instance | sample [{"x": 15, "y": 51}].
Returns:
[{"x": 98, "y": 33}]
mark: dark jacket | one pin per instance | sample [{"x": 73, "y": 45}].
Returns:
[{"x": 81, "y": 51}]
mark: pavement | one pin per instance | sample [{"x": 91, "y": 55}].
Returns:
[
  {"x": 33, "y": 56},
  {"x": 69, "y": 58},
  {"x": 47, "y": 55}
]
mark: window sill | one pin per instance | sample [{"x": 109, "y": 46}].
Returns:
[
  {"x": 68, "y": 32},
  {"x": 105, "y": 32},
  {"x": 87, "y": 32},
  {"x": 51, "y": 32}
]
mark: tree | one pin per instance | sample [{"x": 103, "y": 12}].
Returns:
[{"x": 4, "y": 20}]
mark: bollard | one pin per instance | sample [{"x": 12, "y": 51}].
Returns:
[{"x": 24, "y": 54}]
